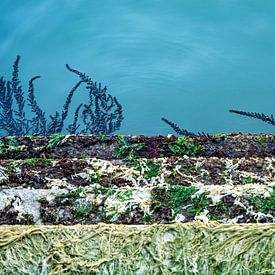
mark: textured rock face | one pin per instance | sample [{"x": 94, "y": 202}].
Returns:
[{"x": 137, "y": 204}]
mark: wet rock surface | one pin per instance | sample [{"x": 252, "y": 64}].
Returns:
[
  {"x": 75, "y": 146},
  {"x": 137, "y": 179}
]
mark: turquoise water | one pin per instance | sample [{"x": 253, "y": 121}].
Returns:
[{"x": 188, "y": 61}]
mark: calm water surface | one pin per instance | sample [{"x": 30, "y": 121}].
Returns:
[{"x": 189, "y": 61}]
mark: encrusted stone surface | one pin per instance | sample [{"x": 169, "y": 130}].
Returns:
[
  {"x": 137, "y": 179},
  {"x": 76, "y": 146}
]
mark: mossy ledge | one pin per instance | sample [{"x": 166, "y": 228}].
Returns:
[{"x": 119, "y": 147}]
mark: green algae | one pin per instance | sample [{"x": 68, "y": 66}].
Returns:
[
  {"x": 190, "y": 248},
  {"x": 185, "y": 202},
  {"x": 9, "y": 146},
  {"x": 152, "y": 169},
  {"x": 264, "y": 204},
  {"x": 178, "y": 195},
  {"x": 76, "y": 194},
  {"x": 13, "y": 165},
  {"x": 83, "y": 210},
  {"x": 220, "y": 135},
  {"x": 185, "y": 146},
  {"x": 127, "y": 150},
  {"x": 262, "y": 139},
  {"x": 55, "y": 140},
  {"x": 102, "y": 137}
]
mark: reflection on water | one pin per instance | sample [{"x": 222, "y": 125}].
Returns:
[{"x": 187, "y": 61}]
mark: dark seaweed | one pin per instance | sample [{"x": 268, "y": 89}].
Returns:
[
  {"x": 262, "y": 116},
  {"x": 102, "y": 114},
  {"x": 183, "y": 132}
]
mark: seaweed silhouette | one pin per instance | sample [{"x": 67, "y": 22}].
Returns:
[
  {"x": 262, "y": 116},
  {"x": 184, "y": 132},
  {"x": 102, "y": 115}
]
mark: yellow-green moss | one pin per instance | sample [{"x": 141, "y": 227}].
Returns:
[{"x": 190, "y": 248}]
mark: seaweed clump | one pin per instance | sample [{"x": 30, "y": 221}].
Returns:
[{"x": 102, "y": 114}]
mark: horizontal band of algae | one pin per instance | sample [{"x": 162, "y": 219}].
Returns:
[
  {"x": 75, "y": 146},
  {"x": 183, "y": 170},
  {"x": 190, "y": 248}
]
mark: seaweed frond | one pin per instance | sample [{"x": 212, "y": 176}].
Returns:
[
  {"x": 22, "y": 123},
  {"x": 103, "y": 113},
  {"x": 260, "y": 116},
  {"x": 72, "y": 128},
  {"x": 7, "y": 121},
  {"x": 183, "y": 132},
  {"x": 39, "y": 121}
]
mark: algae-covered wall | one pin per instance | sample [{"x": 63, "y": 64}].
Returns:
[
  {"x": 188, "y": 248},
  {"x": 137, "y": 204}
]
